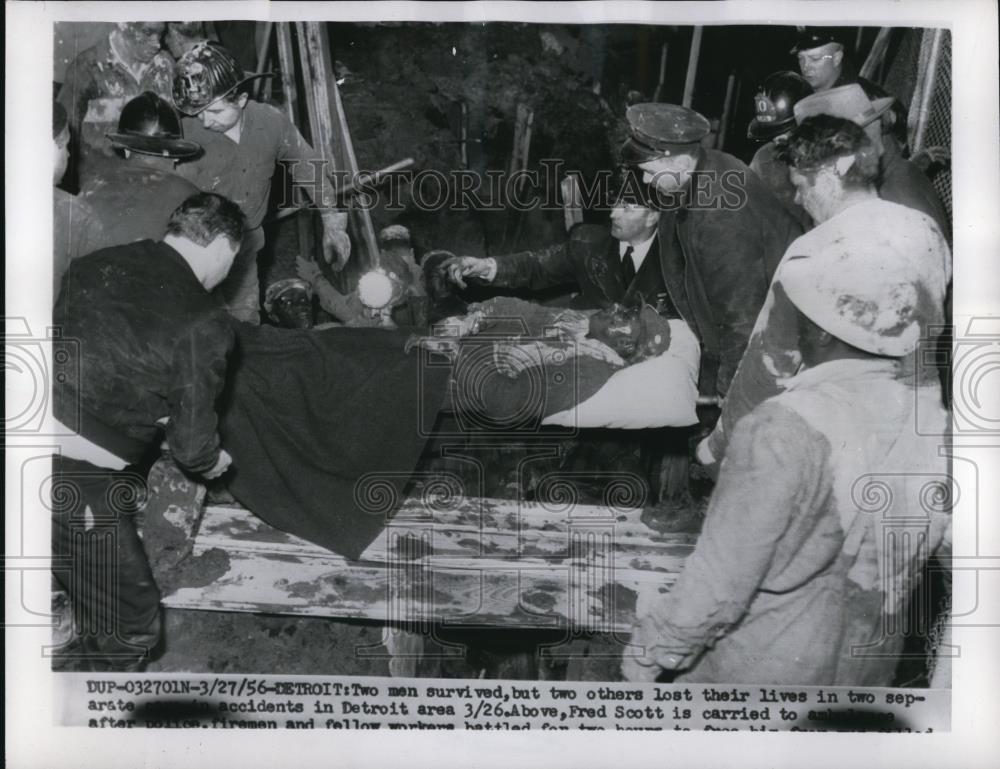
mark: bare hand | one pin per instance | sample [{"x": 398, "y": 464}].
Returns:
[
  {"x": 457, "y": 268},
  {"x": 221, "y": 465}
]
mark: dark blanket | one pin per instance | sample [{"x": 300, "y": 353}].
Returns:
[{"x": 317, "y": 421}]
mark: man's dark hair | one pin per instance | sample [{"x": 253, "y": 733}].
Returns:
[
  {"x": 204, "y": 216},
  {"x": 60, "y": 120},
  {"x": 822, "y": 139}
]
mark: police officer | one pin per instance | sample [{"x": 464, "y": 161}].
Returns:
[{"x": 721, "y": 232}]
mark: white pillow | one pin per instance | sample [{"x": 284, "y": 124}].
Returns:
[{"x": 659, "y": 392}]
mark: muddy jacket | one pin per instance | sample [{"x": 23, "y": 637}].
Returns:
[
  {"x": 718, "y": 254},
  {"x": 773, "y": 357},
  {"x": 134, "y": 202},
  {"x": 96, "y": 87},
  {"x": 148, "y": 342},
  {"x": 795, "y": 578}
]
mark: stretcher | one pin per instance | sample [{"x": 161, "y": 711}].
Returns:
[{"x": 441, "y": 561}]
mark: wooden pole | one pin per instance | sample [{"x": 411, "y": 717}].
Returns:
[
  {"x": 658, "y": 93},
  {"x": 286, "y": 60},
  {"x": 692, "y": 69},
  {"x": 877, "y": 54},
  {"x": 727, "y": 109},
  {"x": 265, "y": 46},
  {"x": 331, "y": 133},
  {"x": 925, "y": 82}
]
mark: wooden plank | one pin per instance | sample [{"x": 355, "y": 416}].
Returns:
[
  {"x": 488, "y": 595},
  {"x": 422, "y": 571}
]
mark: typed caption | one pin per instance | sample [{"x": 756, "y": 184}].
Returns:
[{"x": 305, "y": 702}]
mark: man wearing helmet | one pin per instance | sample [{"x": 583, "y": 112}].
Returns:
[
  {"x": 243, "y": 140},
  {"x": 795, "y": 578},
  {"x": 133, "y": 195},
  {"x": 834, "y": 167},
  {"x": 773, "y": 121},
  {"x": 99, "y": 82}
]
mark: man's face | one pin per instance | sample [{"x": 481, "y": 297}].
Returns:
[
  {"x": 224, "y": 114},
  {"x": 669, "y": 173},
  {"x": 292, "y": 308},
  {"x": 219, "y": 257},
  {"x": 143, "y": 39},
  {"x": 61, "y": 146},
  {"x": 817, "y": 192},
  {"x": 630, "y": 221},
  {"x": 821, "y": 66}
]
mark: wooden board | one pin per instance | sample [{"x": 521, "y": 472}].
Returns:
[{"x": 468, "y": 562}]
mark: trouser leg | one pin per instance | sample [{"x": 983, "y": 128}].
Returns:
[{"x": 116, "y": 604}]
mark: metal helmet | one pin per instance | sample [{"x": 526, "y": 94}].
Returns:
[
  {"x": 774, "y": 104},
  {"x": 204, "y": 75},
  {"x": 149, "y": 125}
]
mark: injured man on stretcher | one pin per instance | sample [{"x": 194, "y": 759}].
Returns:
[{"x": 620, "y": 367}]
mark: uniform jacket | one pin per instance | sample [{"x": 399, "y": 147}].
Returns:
[
  {"x": 588, "y": 260},
  {"x": 147, "y": 342},
  {"x": 718, "y": 253},
  {"x": 795, "y": 579},
  {"x": 134, "y": 202}
]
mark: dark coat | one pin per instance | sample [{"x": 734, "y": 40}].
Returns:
[
  {"x": 588, "y": 259},
  {"x": 146, "y": 342},
  {"x": 718, "y": 253}
]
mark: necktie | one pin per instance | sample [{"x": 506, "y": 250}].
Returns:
[{"x": 628, "y": 267}]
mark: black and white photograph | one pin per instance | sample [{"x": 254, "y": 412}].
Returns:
[{"x": 538, "y": 367}]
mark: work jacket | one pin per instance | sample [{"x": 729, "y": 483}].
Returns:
[
  {"x": 143, "y": 341},
  {"x": 827, "y": 509}
]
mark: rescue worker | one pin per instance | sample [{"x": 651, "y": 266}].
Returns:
[
  {"x": 288, "y": 303},
  {"x": 149, "y": 357},
  {"x": 243, "y": 140},
  {"x": 795, "y": 578},
  {"x": 100, "y": 81},
  {"x": 134, "y": 196},
  {"x": 773, "y": 121},
  {"x": 834, "y": 167},
  {"x": 721, "y": 233},
  {"x": 900, "y": 180}
]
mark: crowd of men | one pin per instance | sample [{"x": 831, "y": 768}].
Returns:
[{"x": 810, "y": 278}]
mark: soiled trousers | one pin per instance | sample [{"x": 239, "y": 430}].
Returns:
[{"x": 100, "y": 563}]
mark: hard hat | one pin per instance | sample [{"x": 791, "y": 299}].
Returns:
[
  {"x": 774, "y": 103},
  {"x": 150, "y": 126},
  {"x": 206, "y": 74}
]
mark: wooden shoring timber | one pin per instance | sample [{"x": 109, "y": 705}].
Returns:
[
  {"x": 475, "y": 562},
  {"x": 727, "y": 111},
  {"x": 286, "y": 61},
  {"x": 331, "y": 132},
  {"x": 877, "y": 54},
  {"x": 692, "y": 69},
  {"x": 658, "y": 93}
]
